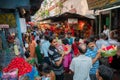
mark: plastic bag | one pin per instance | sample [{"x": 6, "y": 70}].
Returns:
[{"x": 11, "y": 75}]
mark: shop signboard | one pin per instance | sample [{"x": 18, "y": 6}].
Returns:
[
  {"x": 72, "y": 21},
  {"x": 93, "y": 4}
]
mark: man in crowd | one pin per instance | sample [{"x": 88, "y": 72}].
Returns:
[
  {"x": 44, "y": 49},
  {"x": 56, "y": 59},
  {"x": 92, "y": 52},
  {"x": 82, "y": 64}
]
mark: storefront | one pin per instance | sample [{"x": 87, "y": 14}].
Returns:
[
  {"x": 108, "y": 13},
  {"x": 9, "y": 26},
  {"x": 79, "y": 25}
]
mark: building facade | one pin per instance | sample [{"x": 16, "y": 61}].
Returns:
[{"x": 56, "y": 7}]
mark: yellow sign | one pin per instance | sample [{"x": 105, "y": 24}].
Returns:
[
  {"x": 112, "y": 1},
  {"x": 8, "y": 19},
  {"x": 92, "y": 4}
]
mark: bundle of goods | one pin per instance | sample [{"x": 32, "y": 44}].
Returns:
[
  {"x": 18, "y": 67},
  {"x": 10, "y": 75},
  {"x": 64, "y": 48},
  {"x": 108, "y": 51}
]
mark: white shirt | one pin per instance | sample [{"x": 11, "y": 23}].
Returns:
[
  {"x": 45, "y": 47},
  {"x": 81, "y": 66},
  {"x": 114, "y": 42},
  {"x": 107, "y": 33},
  {"x": 37, "y": 38}
]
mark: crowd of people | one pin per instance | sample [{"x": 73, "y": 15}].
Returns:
[
  {"x": 83, "y": 60},
  {"x": 52, "y": 55}
]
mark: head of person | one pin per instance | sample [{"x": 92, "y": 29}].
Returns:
[
  {"x": 105, "y": 72},
  {"x": 102, "y": 36},
  {"x": 38, "y": 42},
  {"x": 97, "y": 37},
  {"x": 65, "y": 41},
  {"x": 112, "y": 35},
  {"x": 46, "y": 37},
  {"x": 53, "y": 41},
  {"x": 69, "y": 34},
  {"x": 105, "y": 27},
  {"x": 92, "y": 37},
  {"x": 90, "y": 43},
  {"x": 44, "y": 69},
  {"x": 77, "y": 40},
  {"x": 82, "y": 48}
]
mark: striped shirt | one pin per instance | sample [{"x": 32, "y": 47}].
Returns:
[
  {"x": 54, "y": 57},
  {"x": 92, "y": 54}
]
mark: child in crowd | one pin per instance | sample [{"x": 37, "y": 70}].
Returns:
[{"x": 46, "y": 72}]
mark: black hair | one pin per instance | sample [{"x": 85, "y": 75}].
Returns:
[
  {"x": 106, "y": 25},
  {"x": 92, "y": 37},
  {"x": 65, "y": 41},
  {"x": 44, "y": 67},
  {"x": 89, "y": 40},
  {"x": 38, "y": 41},
  {"x": 81, "y": 50},
  {"x": 47, "y": 37},
  {"x": 77, "y": 39},
  {"x": 105, "y": 72},
  {"x": 51, "y": 39},
  {"x": 103, "y": 36},
  {"x": 27, "y": 54}
]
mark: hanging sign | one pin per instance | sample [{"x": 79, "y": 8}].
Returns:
[{"x": 72, "y": 21}]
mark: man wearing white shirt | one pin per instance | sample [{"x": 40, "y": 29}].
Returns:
[
  {"x": 82, "y": 64},
  {"x": 106, "y": 31}
]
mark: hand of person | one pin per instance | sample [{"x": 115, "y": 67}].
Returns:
[
  {"x": 98, "y": 56},
  {"x": 63, "y": 54}
]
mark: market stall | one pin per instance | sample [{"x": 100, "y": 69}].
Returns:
[{"x": 74, "y": 23}]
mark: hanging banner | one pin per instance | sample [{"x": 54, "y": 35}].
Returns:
[
  {"x": 23, "y": 25},
  {"x": 72, "y": 21}
]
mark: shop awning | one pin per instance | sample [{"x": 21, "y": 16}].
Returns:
[
  {"x": 4, "y": 26},
  {"x": 65, "y": 16}
]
